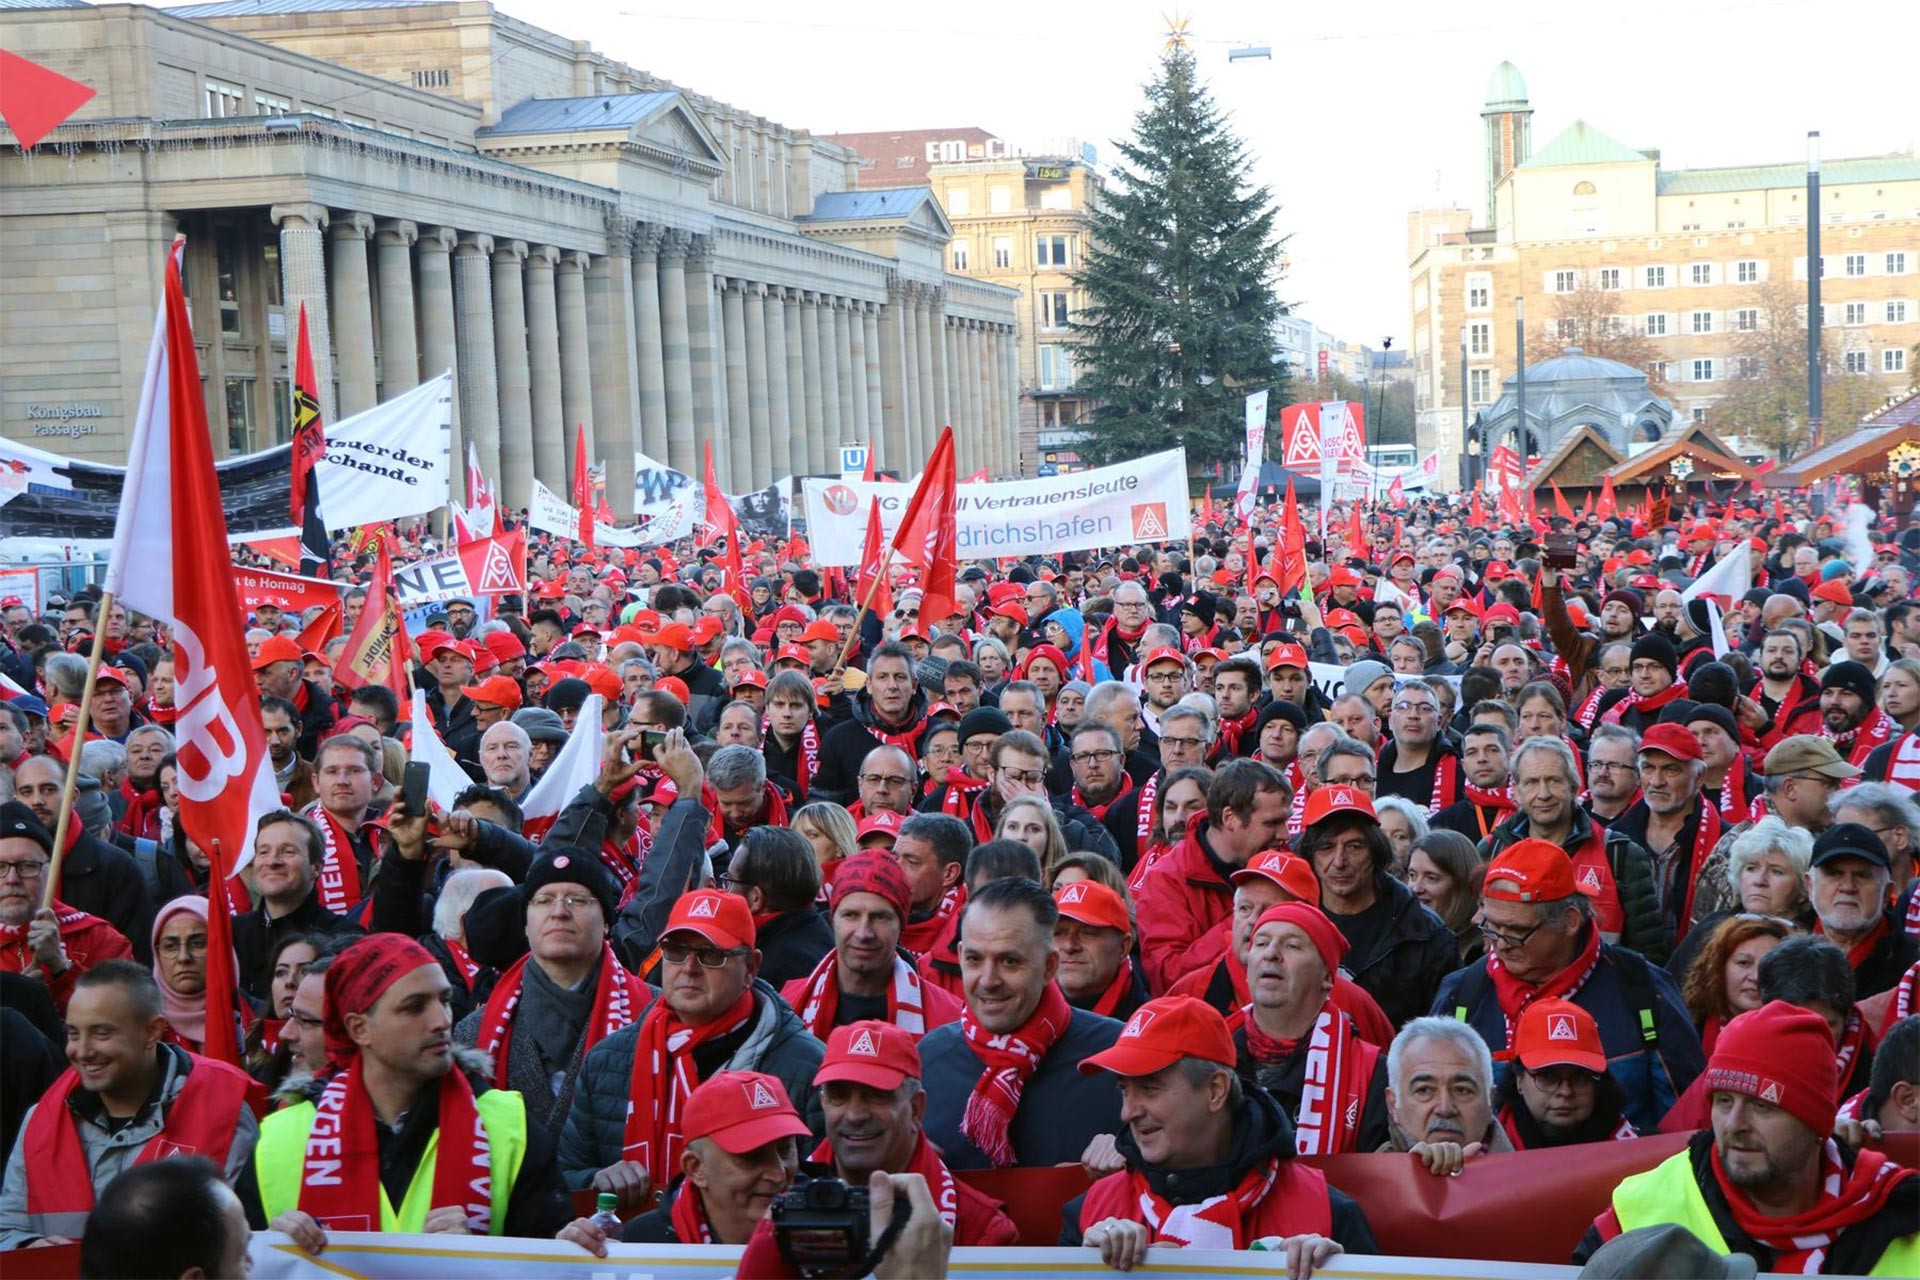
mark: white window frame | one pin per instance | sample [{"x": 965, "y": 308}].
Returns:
[
  {"x": 223, "y": 100},
  {"x": 958, "y": 255},
  {"x": 1746, "y": 320},
  {"x": 1654, "y": 276},
  {"x": 1563, "y": 281},
  {"x": 1700, "y": 322},
  {"x": 1480, "y": 338},
  {"x": 1853, "y": 314},
  {"x": 1055, "y": 310},
  {"x": 1609, "y": 278},
  {"x": 1003, "y": 253},
  {"x": 1700, "y": 273},
  {"x": 1893, "y": 360},
  {"x": 1701, "y": 369},
  {"x": 1854, "y": 361},
  {"x": 1854, "y": 265},
  {"x": 1654, "y": 324},
  {"x": 1896, "y": 311},
  {"x": 1479, "y": 386},
  {"x": 1896, "y": 263},
  {"x": 1747, "y": 271}
]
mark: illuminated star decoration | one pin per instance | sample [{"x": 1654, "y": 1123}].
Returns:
[{"x": 1177, "y": 34}]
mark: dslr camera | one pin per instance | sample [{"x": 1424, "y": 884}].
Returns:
[{"x": 824, "y": 1228}]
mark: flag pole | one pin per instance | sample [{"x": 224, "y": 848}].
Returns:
[
  {"x": 72, "y": 786},
  {"x": 886, "y": 562}
]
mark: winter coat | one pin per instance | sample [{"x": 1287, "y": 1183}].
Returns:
[
  {"x": 1186, "y": 894},
  {"x": 791, "y": 944},
  {"x": 595, "y": 1130},
  {"x": 102, "y": 879},
  {"x": 1646, "y": 928},
  {"x": 1407, "y": 961},
  {"x": 846, "y": 745},
  {"x": 1060, "y": 1110},
  {"x": 1653, "y": 1063}
]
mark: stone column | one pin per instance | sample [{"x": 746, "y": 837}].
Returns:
[
  {"x": 613, "y": 378},
  {"x": 479, "y": 375},
  {"x": 976, "y": 397},
  {"x": 893, "y": 376},
  {"x": 736, "y": 444},
  {"x": 800, "y": 426},
  {"x": 856, "y": 326},
  {"x": 915, "y": 436},
  {"x": 703, "y": 357},
  {"x": 779, "y": 402},
  {"x": 516, "y": 387},
  {"x": 576, "y": 370},
  {"x": 923, "y": 313},
  {"x": 652, "y": 356},
  {"x": 552, "y": 435},
  {"x": 438, "y": 350},
  {"x": 399, "y": 348},
  {"x": 937, "y": 339},
  {"x": 834, "y": 433},
  {"x": 843, "y": 325},
  {"x": 870, "y": 343},
  {"x": 303, "y": 280},
  {"x": 759, "y": 460},
  {"x": 676, "y": 319},
  {"x": 996, "y": 399},
  {"x": 352, "y": 308},
  {"x": 1010, "y": 394},
  {"x": 964, "y": 444},
  {"x": 815, "y": 388}
]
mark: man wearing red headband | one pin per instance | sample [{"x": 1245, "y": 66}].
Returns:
[
  {"x": 402, "y": 1136},
  {"x": 1207, "y": 1163},
  {"x": 1767, "y": 1180}
]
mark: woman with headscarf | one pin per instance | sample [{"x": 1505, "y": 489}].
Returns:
[{"x": 180, "y": 967}]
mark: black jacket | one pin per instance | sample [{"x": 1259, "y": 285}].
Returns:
[
  {"x": 792, "y": 944},
  {"x": 1261, "y": 1132},
  {"x": 1891, "y": 957},
  {"x": 103, "y": 880},
  {"x": 254, "y": 936},
  {"x": 1402, "y": 967},
  {"x": 29, "y": 1064},
  {"x": 459, "y": 728},
  {"x": 1060, "y": 1110},
  {"x": 846, "y": 745}
]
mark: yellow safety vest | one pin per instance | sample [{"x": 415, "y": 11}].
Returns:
[
  {"x": 281, "y": 1155},
  {"x": 1669, "y": 1192}
]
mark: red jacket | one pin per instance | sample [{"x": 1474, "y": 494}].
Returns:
[
  {"x": 88, "y": 940},
  {"x": 1182, "y": 900}
]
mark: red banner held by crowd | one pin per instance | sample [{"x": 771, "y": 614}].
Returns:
[{"x": 290, "y": 592}]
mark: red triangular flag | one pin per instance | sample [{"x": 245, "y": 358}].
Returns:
[
  {"x": 873, "y": 564},
  {"x": 1476, "y": 516},
  {"x": 1560, "y": 507},
  {"x": 866, "y": 472},
  {"x": 378, "y": 650},
  {"x": 582, "y": 486},
  {"x": 1356, "y": 532},
  {"x": 222, "y": 1035},
  {"x": 321, "y": 631},
  {"x": 1607, "y": 508},
  {"x": 309, "y": 446},
  {"x": 928, "y": 539},
  {"x": 1292, "y": 567},
  {"x": 1586, "y": 510},
  {"x": 36, "y": 101},
  {"x": 718, "y": 520}
]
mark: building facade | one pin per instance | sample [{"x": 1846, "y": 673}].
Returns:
[
  {"x": 444, "y": 187},
  {"x": 1019, "y": 218},
  {"x": 1686, "y": 258}
]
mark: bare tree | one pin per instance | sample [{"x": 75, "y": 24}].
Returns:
[
  {"x": 1588, "y": 318},
  {"x": 1766, "y": 398}
]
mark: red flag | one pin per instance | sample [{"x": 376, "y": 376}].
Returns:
[
  {"x": 719, "y": 519},
  {"x": 221, "y": 1039},
  {"x": 378, "y": 650},
  {"x": 483, "y": 513},
  {"x": 1779, "y": 511},
  {"x": 1607, "y": 508},
  {"x": 721, "y": 523},
  {"x": 866, "y": 472},
  {"x": 309, "y": 446},
  {"x": 321, "y": 631},
  {"x": 1253, "y": 564},
  {"x": 1292, "y": 567},
  {"x": 1356, "y": 532},
  {"x": 928, "y": 539},
  {"x": 582, "y": 485},
  {"x": 496, "y": 565},
  {"x": 1476, "y": 517},
  {"x": 1560, "y": 507},
  {"x": 1396, "y": 492},
  {"x": 873, "y": 564},
  {"x": 978, "y": 477},
  {"x": 170, "y": 562},
  {"x": 1586, "y": 510},
  {"x": 36, "y": 101}
]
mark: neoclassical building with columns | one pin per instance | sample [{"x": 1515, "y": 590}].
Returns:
[{"x": 441, "y": 186}]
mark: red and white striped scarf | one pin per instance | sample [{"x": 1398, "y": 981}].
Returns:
[
  {"x": 1009, "y": 1061},
  {"x": 906, "y": 1000},
  {"x": 618, "y": 997},
  {"x": 663, "y": 1078},
  {"x": 1865, "y": 738},
  {"x": 339, "y": 885},
  {"x": 1143, "y": 828}
]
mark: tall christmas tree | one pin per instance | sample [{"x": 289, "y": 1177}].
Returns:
[{"x": 1179, "y": 278}]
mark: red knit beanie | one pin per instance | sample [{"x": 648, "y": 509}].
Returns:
[
  {"x": 1781, "y": 1054},
  {"x": 1312, "y": 921},
  {"x": 357, "y": 979}
]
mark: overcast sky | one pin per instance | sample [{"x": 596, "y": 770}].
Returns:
[{"x": 1364, "y": 112}]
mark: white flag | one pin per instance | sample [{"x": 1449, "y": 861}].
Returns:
[
  {"x": 445, "y": 778},
  {"x": 577, "y": 765},
  {"x": 1730, "y": 576}
]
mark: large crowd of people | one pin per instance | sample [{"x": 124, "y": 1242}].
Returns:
[{"x": 1154, "y": 860}]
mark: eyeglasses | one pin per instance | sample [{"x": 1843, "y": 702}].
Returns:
[
  {"x": 1025, "y": 777},
  {"x": 193, "y": 946},
  {"x": 1513, "y": 941},
  {"x": 1180, "y": 743},
  {"x": 31, "y": 869},
  {"x": 1423, "y": 708},
  {"x": 573, "y": 901},
  {"x": 1093, "y": 757},
  {"x": 886, "y": 779},
  {"x": 310, "y": 1024},
  {"x": 1610, "y": 766},
  {"x": 706, "y": 957}
]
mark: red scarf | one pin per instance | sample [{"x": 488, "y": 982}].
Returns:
[
  {"x": 1103, "y": 648},
  {"x": 922, "y": 936},
  {"x": 1208, "y": 639},
  {"x": 340, "y": 1183},
  {"x": 1143, "y": 829},
  {"x": 1904, "y": 766},
  {"x": 1800, "y": 1243},
  {"x": 1501, "y": 802},
  {"x": 809, "y": 755},
  {"x": 1010, "y": 1060},
  {"x": 1116, "y": 990},
  {"x": 663, "y": 1076},
  {"x": 1514, "y": 995},
  {"x": 1446, "y": 781},
  {"x": 200, "y": 1120},
  {"x": 339, "y": 886},
  {"x": 689, "y": 1217},
  {"x": 1857, "y": 953},
  {"x": 1587, "y": 710},
  {"x": 624, "y": 861},
  {"x": 1231, "y": 731},
  {"x": 963, "y": 794},
  {"x": 617, "y": 997},
  {"x": 1219, "y": 1222},
  {"x": 1735, "y": 803},
  {"x": 1634, "y": 700},
  {"x": 924, "y": 1161},
  {"x": 906, "y": 1004},
  {"x": 1100, "y": 810},
  {"x": 1706, "y": 834},
  {"x": 1339, "y": 1070},
  {"x": 1862, "y": 740},
  {"x": 907, "y": 739},
  {"x": 464, "y": 961}
]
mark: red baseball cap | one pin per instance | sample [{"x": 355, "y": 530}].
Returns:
[
  {"x": 707, "y": 630},
  {"x": 1162, "y": 1032},
  {"x": 1341, "y": 618},
  {"x": 448, "y": 645},
  {"x": 879, "y": 1055},
  {"x": 122, "y": 678},
  {"x": 740, "y": 1111},
  {"x": 1011, "y": 612},
  {"x": 1502, "y": 612},
  {"x": 674, "y": 635},
  {"x": 1538, "y": 870},
  {"x": 276, "y": 649},
  {"x": 603, "y": 681},
  {"x": 500, "y": 691},
  {"x": 819, "y": 629},
  {"x": 1295, "y": 875},
  {"x": 792, "y": 653},
  {"x": 1288, "y": 655},
  {"x": 1558, "y": 1033},
  {"x": 1673, "y": 739},
  {"x": 1343, "y": 577},
  {"x": 1327, "y": 801},
  {"x": 752, "y": 676},
  {"x": 1165, "y": 653},
  {"x": 884, "y": 823},
  {"x": 504, "y": 645},
  {"x": 1834, "y": 591},
  {"x": 1091, "y": 902},
  {"x": 674, "y": 687},
  {"x": 585, "y": 629},
  {"x": 721, "y": 918},
  {"x": 1495, "y": 570}
]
